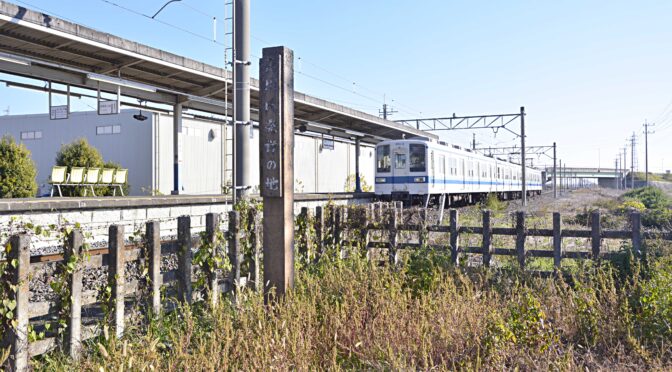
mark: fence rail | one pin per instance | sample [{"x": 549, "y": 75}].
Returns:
[{"x": 325, "y": 227}]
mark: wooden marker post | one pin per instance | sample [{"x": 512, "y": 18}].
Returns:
[{"x": 276, "y": 167}]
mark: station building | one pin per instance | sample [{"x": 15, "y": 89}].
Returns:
[{"x": 322, "y": 164}]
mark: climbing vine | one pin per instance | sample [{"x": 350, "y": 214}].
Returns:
[
  {"x": 7, "y": 291},
  {"x": 70, "y": 265},
  {"x": 246, "y": 229},
  {"x": 211, "y": 257}
]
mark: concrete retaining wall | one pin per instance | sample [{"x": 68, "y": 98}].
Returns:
[{"x": 96, "y": 215}]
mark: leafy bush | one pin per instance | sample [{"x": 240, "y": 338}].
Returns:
[
  {"x": 630, "y": 204},
  {"x": 351, "y": 183},
  {"x": 17, "y": 170},
  {"x": 79, "y": 154},
  {"x": 652, "y": 197},
  {"x": 493, "y": 203},
  {"x": 654, "y": 304},
  {"x": 658, "y": 218}
]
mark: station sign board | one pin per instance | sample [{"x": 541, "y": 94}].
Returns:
[
  {"x": 327, "y": 144},
  {"x": 58, "y": 112},
  {"x": 108, "y": 108}
]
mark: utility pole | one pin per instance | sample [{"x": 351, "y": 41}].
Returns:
[
  {"x": 646, "y": 150},
  {"x": 522, "y": 154},
  {"x": 473, "y": 141},
  {"x": 388, "y": 111},
  {"x": 625, "y": 167},
  {"x": 555, "y": 187},
  {"x": 560, "y": 178},
  {"x": 616, "y": 174},
  {"x": 241, "y": 121},
  {"x": 632, "y": 160}
]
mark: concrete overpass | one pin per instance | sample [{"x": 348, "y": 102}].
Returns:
[{"x": 606, "y": 177}]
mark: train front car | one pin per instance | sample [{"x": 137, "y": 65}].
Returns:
[
  {"x": 401, "y": 169},
  {"x": 416, "y": 170}
]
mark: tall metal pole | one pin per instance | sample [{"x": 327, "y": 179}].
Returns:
[
  {"x": 646, "y": 154},
  {"x": 625, "y": 167},
  {"x": 632, "y": 161},
  {"x": 522, "y": 154},
  {"x": 242, "y": 123},
  {"x": 234, "y": 135},
  {"x": 560, "y": 178},
  {"x": 555, "y": 170},
  {"x": 616, "y": 173},
  {"x": 177, "y": 148},
  {"x": 358, "y": 180},
  {"x": 646, "y": 149}
]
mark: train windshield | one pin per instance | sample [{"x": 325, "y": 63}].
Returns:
[
  {"x": 417, "y": 158},
  {"x": 400, "y": 161},
  {"x": 383, "y": 158}
]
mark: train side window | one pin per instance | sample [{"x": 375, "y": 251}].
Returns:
[
  {"x": 417, "y": 158},
  {"x": 383, "y": 158},
  {"x": 400, "y": 161}
]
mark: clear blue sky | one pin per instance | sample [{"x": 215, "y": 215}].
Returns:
[{"x": 588, "y": 73}]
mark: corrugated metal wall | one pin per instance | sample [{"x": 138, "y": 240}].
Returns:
[{"x": 146, "y": 149}]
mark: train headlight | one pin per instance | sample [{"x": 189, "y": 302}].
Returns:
[
  {"x": 420, "y": 179},
  {"x": 381, "y": 180}
]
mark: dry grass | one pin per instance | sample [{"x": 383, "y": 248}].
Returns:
[{"x": 351, "y": 314}]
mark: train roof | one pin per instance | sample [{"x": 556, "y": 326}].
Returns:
[{"x": 451, "y": 146}]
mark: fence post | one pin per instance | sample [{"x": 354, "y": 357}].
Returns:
[
  {"x": 636, "y": 222},
  {"x": 73, "y": 332},
  {"x": 153, "y": 236},
  {"x": 487, "y": 239},
  {"x": 365, "y": 230},
  {"x": 184, "y": 258},
  {"x": 423, "y": 233},
  {"x": 17, "y": 336},
  {"x": 115, "y": 276},
  {"x": 338, "y": 215},
  {"x": 303, "y": 233},
  {"x": 595, "y": 233},
  {"x": 557, "y": 240},
  {"x": 255, "y": 243},
  {"x": 392, "y": 252},
  {"x": 520, "y": 238},
  {"x": 454, "y": 237},
  {"x": 211, "y": 229},
  {"x": 234, "y": 247},
  {"x": 319, "y": 231}
]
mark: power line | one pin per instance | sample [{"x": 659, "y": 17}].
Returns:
[
  {"x": 163, "y": 22},
  {"x": 355, "y": 85}
]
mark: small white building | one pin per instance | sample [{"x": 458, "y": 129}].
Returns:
[{"x": 146, "y": 149}]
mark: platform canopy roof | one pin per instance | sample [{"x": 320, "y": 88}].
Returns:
[{"x": 40, "y": 46}]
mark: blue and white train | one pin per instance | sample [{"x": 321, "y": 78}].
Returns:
[{"x": 420, "y": 169}]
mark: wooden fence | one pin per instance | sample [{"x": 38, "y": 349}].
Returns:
[
  {"x": 20, "y": 266},
  {"x": 388, "y": 223},
  {"x": 318, "y": 230}
]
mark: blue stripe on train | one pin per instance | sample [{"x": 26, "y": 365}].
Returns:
[{"x": 411, "y": 179}]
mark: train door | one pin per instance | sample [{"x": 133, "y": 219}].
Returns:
[
  {"x": 432, "y": 174},
  {"x": 441, "y": 172},
  {"x": 399, "y": 167},
  {"x": 463, "y": 170}
]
